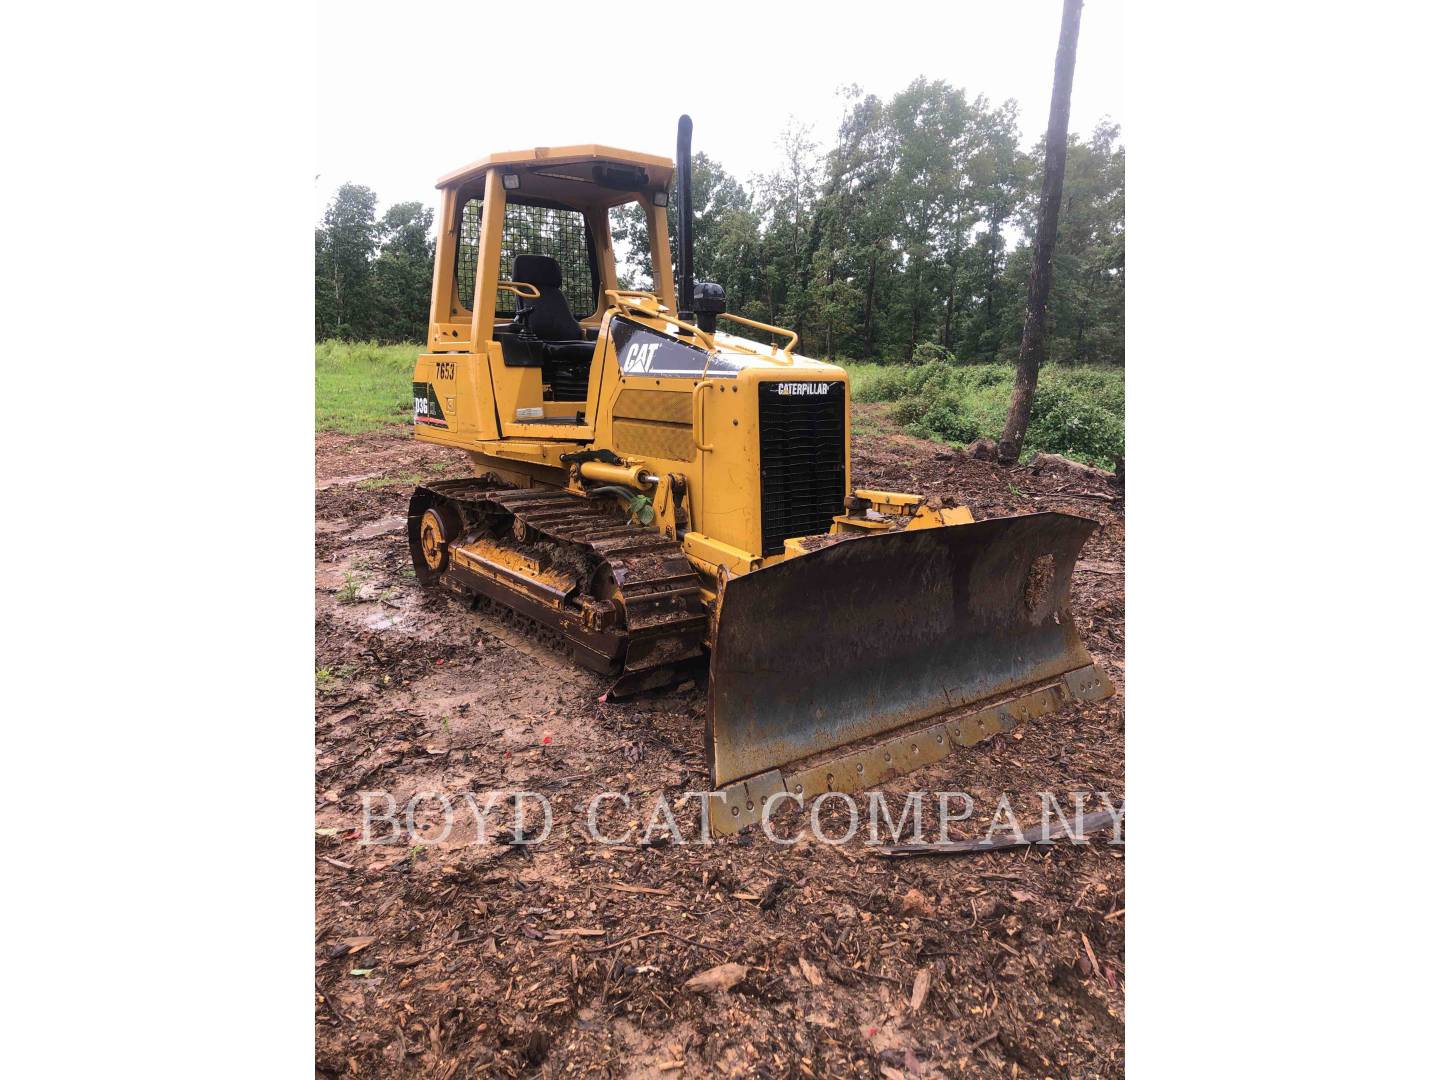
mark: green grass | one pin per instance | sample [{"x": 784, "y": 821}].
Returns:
[
  {"x": 328, "y": 678},
  {"x": 1079, "y": 411},
  {"x": 361, "y": 386},
  {"x": 409, "y": 480},
  {"x": 349, "y": 592}
]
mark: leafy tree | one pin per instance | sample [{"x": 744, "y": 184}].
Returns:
[
  {"x": 1086, "y": 313},
  {"x": 372, "y": 278},
  {"x": 342, "y": 257},
  {"x": 401, "y": 276},
  {"x": 1089, "y": 291},
  {"x": 915, "y": 227}
]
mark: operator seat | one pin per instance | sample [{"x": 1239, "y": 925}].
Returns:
[{"x": 567, "y": 355}]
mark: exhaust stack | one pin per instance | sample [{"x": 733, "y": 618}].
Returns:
[
  {"x": 701, "y": 304},
  {"x": 684, "y": 224}
]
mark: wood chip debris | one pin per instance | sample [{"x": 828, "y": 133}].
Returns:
[
  {"x": 721, "y": 978},
  {"x": 811, "y": 972},
  {"x": 920, "y": 991}
]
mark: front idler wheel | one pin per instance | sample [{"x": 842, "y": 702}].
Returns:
[{"x": 438, "y": 528}]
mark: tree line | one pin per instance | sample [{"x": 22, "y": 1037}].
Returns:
[
  {"x": 914, "y": 226},
  {"x": 372, "y": 277}
]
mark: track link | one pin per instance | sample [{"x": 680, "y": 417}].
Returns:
[{"x": 624, "y": 599}]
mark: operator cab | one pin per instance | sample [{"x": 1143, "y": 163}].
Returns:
[{"x": 530, "y": 294}]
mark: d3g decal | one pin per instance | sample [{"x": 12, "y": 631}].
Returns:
[{"x": 427, "y": 406}]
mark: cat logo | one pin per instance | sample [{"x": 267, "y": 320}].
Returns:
[
  {"x": 638, "y": 357},
  {"x": 794, "y": 389}
]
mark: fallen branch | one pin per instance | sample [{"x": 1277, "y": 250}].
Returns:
[
  {"x": 1100, "y": 819},
  {"x": 1066, "y": 495},
  {"x": 633, "y": 889},
  {"x": 330, "y": 1003}
]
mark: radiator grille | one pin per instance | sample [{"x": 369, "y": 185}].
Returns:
[{"x": 802, "y": 460}]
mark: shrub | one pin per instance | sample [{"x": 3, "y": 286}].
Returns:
[
  {"x": 948, "y": 417},
  {"x": 929, "y": 352},
  {"x": 1079, "y": 411},
  {"x": 909, "y": 411},
  {"x": 1066, "y": 421},
  {"x": 873, "y": 383}
]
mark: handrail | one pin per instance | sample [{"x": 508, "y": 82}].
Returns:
[
  {"x": 785, "y": 352},
  {"x": 631, "y": 301},
  {"x": 516, "y": 286},
  {"x": 656, "y": 310},
  {"x": 640, "y": 293},
  {"x": 697, "y": 416}
]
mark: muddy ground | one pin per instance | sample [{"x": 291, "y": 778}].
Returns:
[{"x": 460, "y": 959}]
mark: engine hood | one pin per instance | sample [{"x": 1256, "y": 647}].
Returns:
[{"x": 642, "y": 349}]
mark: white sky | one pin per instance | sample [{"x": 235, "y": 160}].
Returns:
[{"x": 410, "y": 91}]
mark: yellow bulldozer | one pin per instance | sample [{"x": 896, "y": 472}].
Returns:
[{"x": 653, "y": 493}]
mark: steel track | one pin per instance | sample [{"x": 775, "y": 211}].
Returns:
[{"x": 651, "y": 616}]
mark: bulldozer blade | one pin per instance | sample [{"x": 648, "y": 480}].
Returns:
[{"x": 880, "y": 632}]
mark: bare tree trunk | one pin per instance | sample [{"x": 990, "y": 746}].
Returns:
[
  {"x": 990, "y": 281},
  {"x": 949, "y": 310},
  {"x": 1032, "y": 341},
  {"x": 954, "y": 274},
  {"x": 339, "y": 306},
  {"x": 870, "y": 303}
]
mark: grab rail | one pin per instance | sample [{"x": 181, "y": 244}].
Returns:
[
  {"x": 516, "y": 286},
  {"x": 697, "y": 416},
  {"x": 785, "y": 352},
  {"x": 657, "y": 310},
  {"x": 635, "y": 301}
]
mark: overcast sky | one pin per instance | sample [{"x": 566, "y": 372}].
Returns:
[{"x": 410, "y": 91}]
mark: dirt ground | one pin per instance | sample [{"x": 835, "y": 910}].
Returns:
[{"x": 458, "y": 959}]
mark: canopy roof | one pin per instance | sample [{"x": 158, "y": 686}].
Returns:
[{"x": 577, "y": 175}]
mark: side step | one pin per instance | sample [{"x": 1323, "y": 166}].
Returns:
[{"x": 739, "y": 805}]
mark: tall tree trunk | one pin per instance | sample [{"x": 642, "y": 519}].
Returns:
[
  {"x": 339, "y": 305},
  {"x": 949, "y": 308},
  {"x": 829, "y": 316},
  {"x": 870, "y": 302},
  {"x": 914, "y": 325},
  {"x": 990, "y": 280},
  {"x": 954, "y": 275},
  {"x": 1032, "y": 341}
]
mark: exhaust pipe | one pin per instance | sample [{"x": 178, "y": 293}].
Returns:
[
  {"x": 701, "y": 304},
  {"x": 684, "y": 224}
]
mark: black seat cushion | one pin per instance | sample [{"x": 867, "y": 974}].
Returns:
[
  {"x": 569, "y": 352},
  {"x": 549, "y": 316},
  {"x": 566, "y": 369}
]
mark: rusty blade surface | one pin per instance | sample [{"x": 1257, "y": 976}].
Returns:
[{"x": 881, "y": 631}]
